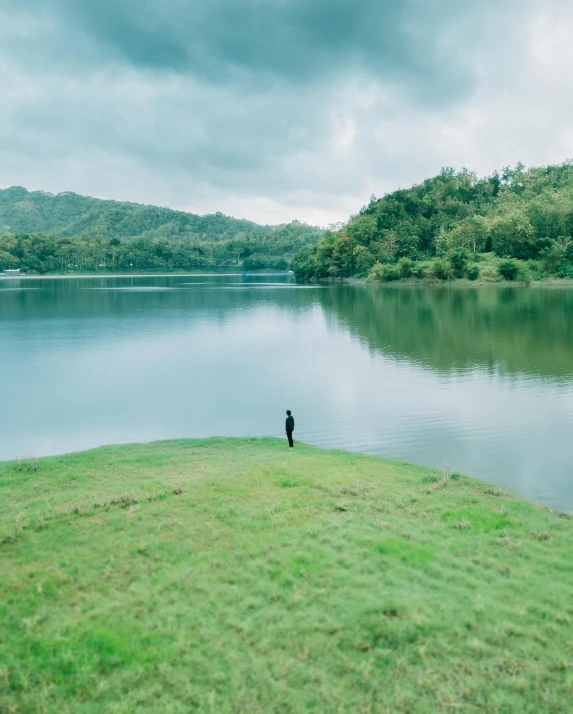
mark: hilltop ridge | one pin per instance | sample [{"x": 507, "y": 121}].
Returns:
[{"x": 68, "y": 214}]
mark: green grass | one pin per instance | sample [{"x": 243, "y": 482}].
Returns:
[{"x": 230, "y": 575}]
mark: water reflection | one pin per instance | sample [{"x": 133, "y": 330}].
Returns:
[{"x": 517, "y": 331}]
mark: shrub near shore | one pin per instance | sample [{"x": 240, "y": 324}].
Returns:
[
  {"x": 485, "y": 268},
  {"x": 229, "y": 575}
]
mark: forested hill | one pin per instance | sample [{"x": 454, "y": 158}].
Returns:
[
  {"x": 42, "y": 232},
  {"x": 514, "y": 224},
  {"x": 68, "y": 215}
]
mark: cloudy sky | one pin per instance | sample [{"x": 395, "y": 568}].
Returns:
[{"x": 277, "y": 109}]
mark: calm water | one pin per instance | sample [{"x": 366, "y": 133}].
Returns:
[{"x": 480, "y": 380}]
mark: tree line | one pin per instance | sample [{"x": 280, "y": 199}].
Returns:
[{"x": 516, "y": 224}]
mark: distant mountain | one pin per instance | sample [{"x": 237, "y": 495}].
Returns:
[
  {"x": 68, "y": 215},
  {"x": 43, "y": 232}
]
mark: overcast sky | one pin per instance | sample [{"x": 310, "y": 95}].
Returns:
[{"x": 277, "y": 109}]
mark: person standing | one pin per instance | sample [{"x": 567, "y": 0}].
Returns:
[{"x": 289, "y": 428}]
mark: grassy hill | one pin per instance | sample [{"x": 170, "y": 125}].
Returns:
[
  {"x": 43, "y": 232},
  {"x": 516, "y": 224},
  {"x": 230, "y": 575}
]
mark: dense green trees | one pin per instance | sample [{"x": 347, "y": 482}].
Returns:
[
  {"x": 451, "y": 226},
  {"x": 40, "y": 232},
  {"x": 456, "y": 226}
]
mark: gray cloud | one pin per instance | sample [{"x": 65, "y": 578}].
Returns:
[
  {"x": 409, "y": 42},
  {"x": 265, "y": 39},
  {"x": 271, "y": 109}
]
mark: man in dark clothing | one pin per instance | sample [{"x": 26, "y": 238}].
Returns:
[{"x": 289, "y": 428}]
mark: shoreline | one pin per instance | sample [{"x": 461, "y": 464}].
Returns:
[
  {"x": 130, "y": 275},
  {"x": 276, "y": 441},
  {"x": 408, "y": 283},
  {"x": 548, "y": 282}
]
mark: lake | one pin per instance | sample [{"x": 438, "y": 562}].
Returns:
[{"x": 477, "y": 380}]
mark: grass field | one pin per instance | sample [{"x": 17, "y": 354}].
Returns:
[{"x": 230, "y": 575}]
